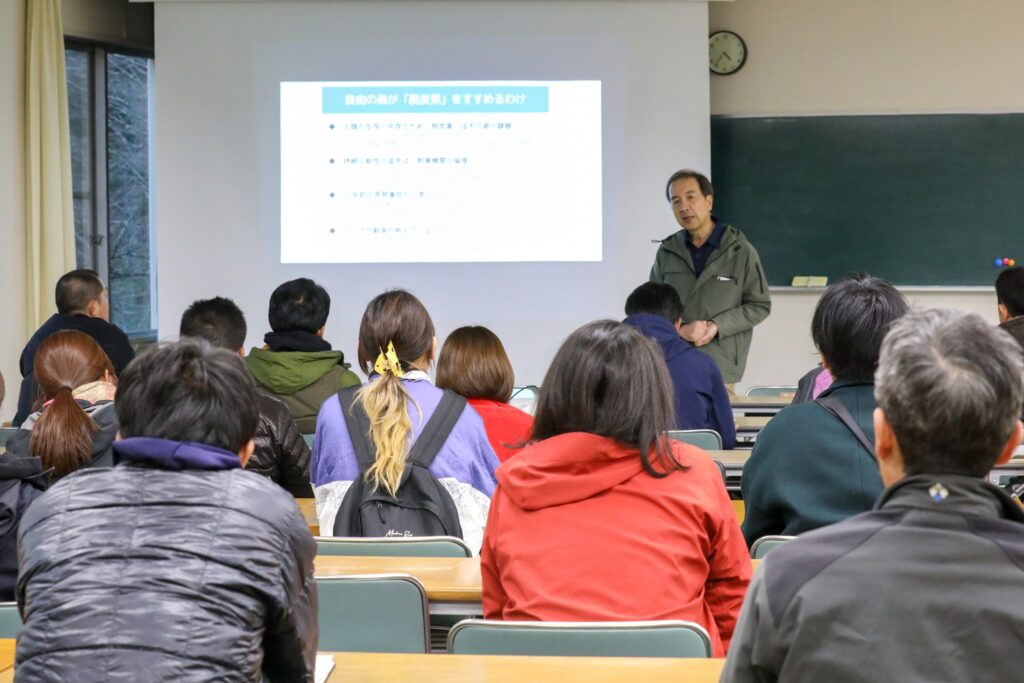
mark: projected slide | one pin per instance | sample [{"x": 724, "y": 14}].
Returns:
[{"x": 478, "y": 171}]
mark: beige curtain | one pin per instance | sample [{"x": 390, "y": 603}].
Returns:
[{"x": 50, "y": 225}]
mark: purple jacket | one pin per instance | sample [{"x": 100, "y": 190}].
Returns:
[{"x": 465, "y": 464}]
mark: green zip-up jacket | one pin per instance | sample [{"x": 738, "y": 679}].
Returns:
[
  {"x": 302, "y": 380},
  {"x": 732, "y": 292}
]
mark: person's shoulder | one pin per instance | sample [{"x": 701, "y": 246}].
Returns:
[
  {"x": 793, "y": 565},
  {"x": 257, "y": 497}
]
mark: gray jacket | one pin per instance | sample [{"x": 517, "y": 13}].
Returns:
[
  {"x": 927, "y": 586},
  {"x": 174, "y": 565}
]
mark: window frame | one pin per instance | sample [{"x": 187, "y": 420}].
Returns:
[{"x": 99, "y": 239}]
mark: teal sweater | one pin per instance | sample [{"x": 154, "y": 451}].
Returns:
[{"x": 808, "y": 470}]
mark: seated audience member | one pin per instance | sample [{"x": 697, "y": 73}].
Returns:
[
  {"x": 473, "y": 363},
  {"x": 77, "y": 424},
  {"x": 927, "y": 585},
  {"x": 601, "y": 517},
  {"x": 809, "y": 466},
  {"x": 22, "y": 480},
  {"x": 811, "y": 385},
  {"x": 1010, "y": 295},
  {"x": 701, "y": 401},
  {"x": 297, "y": 365},
  {"x": 396, "y": 347},
  {"x": 176, "y": 564},
  {"x": 81, "y": 305},
  {"x": 280, "y": 453}
]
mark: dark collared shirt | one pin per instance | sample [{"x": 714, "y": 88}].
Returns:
[{"x": 702, "y": 253}]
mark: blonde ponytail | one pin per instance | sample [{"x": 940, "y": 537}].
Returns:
[{"x": 385, "y": 401}]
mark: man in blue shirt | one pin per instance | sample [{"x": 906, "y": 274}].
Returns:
[{"x": 702, "y": 402}]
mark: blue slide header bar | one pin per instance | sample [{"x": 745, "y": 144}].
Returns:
[{"x": 441, "y": 99}]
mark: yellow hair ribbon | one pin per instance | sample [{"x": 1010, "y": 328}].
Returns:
[{"x": 388, "y": 361}]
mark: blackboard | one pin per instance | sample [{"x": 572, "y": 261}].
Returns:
[{"x": 918, "y": 199}]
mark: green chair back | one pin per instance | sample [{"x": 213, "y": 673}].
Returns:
[
  {"x": 708, "y": 439},
  {"x": 766, "y": 544},
  {"x": 580, "y": 639},
  {"x": 309, "y": 439},
  {"x": 525, "y": 397},
  {"x": 775, "y": 391},
  {"x": 373, "y": 613},
  {"x": 5, "y": 434},
  {"x": 10, "y": 620},
  {"x": 417, "y": 546}
]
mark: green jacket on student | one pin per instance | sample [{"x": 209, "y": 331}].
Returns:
[
  {"x": 302, "y": 380},
  {"x": 732, "y": 292},
  {"x": 808, "y": 470}
]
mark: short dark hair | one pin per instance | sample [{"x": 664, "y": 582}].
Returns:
[
  {"x": 473, "y": 363},
  {"x": 1010, "y": 290},
  {"x": 706, "y": 188},
  {"x": 609, "y": 379},
  {"x": 851, "y": 321},
  {"x": 949, "y": 383},
  {"x": 656, "y": 298},
  {"x": 188, "y": 391},
  {"x": 299, "y": 305},
  {"x": 218, "y": 320},
  {"x": 77, "y": 289}
]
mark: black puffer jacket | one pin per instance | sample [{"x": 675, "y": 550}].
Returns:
[
  {"x": 22, "y": 480},
  {"x": 281, "y": 452},
  {"x": 175, "y": 565},
  {"x": 101, "y": 412}
]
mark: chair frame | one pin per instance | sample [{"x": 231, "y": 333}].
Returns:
[
  {"x": 596, "y": 626},
  {"x": 778, "y": 388},
  {"x": 390, "y": 577},
  {"x": 407, "y": 541},
  {"x": 767, "y": 539},
  {"x": 671, "y": 433}
]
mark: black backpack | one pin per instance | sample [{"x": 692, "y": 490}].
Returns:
[{"x": 422, "y": 505}]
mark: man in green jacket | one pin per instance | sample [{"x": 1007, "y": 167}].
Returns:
[
  {"x": 717, "y": 273},
  {"x": 297, "y": 365}
]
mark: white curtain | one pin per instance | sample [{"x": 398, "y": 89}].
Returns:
[{"x": 49, "y": 224}]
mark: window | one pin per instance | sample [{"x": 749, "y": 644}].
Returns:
[{"x": 109, "y": 92}]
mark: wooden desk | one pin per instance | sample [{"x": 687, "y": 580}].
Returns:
[
  {"x": 307, "y": 506},
  {"x": 452, "y": 583},
  {"x": 751, "y": 423},
  {"x": 372, "y": 667},
  {"x": 759, "y": 405},
  {"x": 740, "y": 510},
  {"x": 7, "y": 655}
]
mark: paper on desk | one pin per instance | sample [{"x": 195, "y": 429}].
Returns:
[{"x": 324, "y": 667}]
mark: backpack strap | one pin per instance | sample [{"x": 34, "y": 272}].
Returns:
[
  {"x": 836, "y": 407},
  {"x": 437, "y": 429},
  {"x": 358, "y": 423}
]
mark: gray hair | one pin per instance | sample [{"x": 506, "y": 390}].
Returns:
[{"x": 951, "y": 386}]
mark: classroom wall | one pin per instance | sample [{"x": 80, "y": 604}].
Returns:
[
  {"x": 870, "y": 56},
  {"x": 218, "y": 203},
  {"x": 12, "y": 196}
]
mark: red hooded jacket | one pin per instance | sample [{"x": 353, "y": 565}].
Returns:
[{"x": 578, "y": 531}]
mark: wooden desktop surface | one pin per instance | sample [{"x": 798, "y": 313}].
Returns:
[
  {"x": 447, "y": 579},
  {"x": 7, "y": 656},
  {"x": 307, "y": 506},
  {"x": 753, "y": 403},
  {"x": 751, "y": 423},
  {"x": 372, "y": 667},
  {"x": 730, "y": 458}
]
